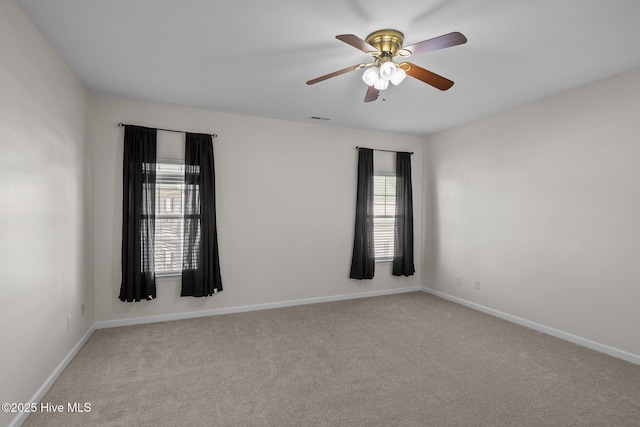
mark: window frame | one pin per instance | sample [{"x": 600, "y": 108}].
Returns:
[
  {"x": 385, "y": 175},
  {"x": 169, "y": 274}
]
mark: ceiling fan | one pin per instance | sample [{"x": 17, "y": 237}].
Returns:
[{"x": 385, "y": 46}]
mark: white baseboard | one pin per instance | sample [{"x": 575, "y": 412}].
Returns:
[
  {"x": 584, "y": 342},
  {"x": 37, "y": 397},
  {"x": 244, "y": 308}
]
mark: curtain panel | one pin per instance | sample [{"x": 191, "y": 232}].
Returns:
[
  {"x": 138, "y": 214},
  {"x": 403, "y": 230},
  {"x": 200, "y": 263},
  {"x": 363, "y": 258}
]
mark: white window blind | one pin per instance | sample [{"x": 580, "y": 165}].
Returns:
[
  {"x": 169, "y": 218},
  {"x": 384, "y": 215}
]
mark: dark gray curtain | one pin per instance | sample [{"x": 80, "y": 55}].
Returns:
[
  {"x": 403, "y": 250},
  {"x": 200, "y": 263},
  {"x": 363, "y": 259},
  {"x": 138, "y": 214}
]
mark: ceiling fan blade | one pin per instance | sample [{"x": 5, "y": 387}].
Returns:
[
  {"x": 427, "y": 76},
  {"x": 372, "y": 94},
  {"x": 357, "y": 42},
  {"x": 335, "y": 73},
  {"x": 436, "y": 43}
]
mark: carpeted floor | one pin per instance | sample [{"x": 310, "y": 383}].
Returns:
[{"x": 401, "y": 360}]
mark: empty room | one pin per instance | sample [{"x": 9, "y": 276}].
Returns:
[{"x": 288, "y": 213}]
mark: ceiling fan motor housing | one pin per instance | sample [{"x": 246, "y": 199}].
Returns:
[{"x": 388, "y": 42}]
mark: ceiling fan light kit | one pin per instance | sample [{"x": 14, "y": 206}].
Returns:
[
  {"x": 384, "y": 46},
  {"x": 380, "y": 76}
]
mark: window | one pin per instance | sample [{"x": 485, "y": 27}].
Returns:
[
  {"x": 384, "y": 215},
  {"x": 169, "y": 218}
]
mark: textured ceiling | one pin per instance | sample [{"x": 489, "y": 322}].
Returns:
[{"x": 253, "y": 57}]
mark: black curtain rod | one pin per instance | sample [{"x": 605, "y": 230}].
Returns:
[
  {"x": 377, "y": 149},
  {"x": 166, "y": 130}
]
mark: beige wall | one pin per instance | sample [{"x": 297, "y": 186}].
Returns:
[
  {"x": 286, "y": 207},
  {"x": 541, "y": 204},
  {"x": 45, "y": 259}
]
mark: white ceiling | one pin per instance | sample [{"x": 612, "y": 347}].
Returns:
[{"x": 253, "y": 57}]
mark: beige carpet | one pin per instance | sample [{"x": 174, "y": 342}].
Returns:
[{"x": 401, "y": 360}]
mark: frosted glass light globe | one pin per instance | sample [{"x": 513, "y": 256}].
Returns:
[
  {"x": 398, "y": 76},
  {"x": 388, "y": 70},
  {"x": 381, "y": 84},
  {"x": 371, "y": 76}
]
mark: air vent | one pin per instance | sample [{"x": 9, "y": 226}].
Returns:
[{"x": 319, "y": 118}]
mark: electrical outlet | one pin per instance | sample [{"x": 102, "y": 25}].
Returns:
[
  {"x": 477, "y": 284},
  {"x": 82, "y": 310},
  {"x": 68, "y": 322},
  {"x": 458, "y": 280}
]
